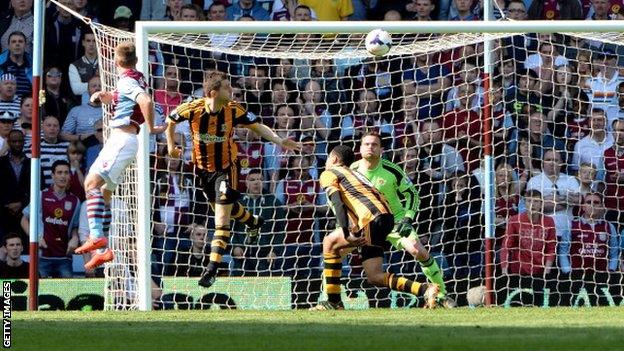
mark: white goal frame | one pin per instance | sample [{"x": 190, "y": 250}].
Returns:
[{"x": 144, "y": 29}]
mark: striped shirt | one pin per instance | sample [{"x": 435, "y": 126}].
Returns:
[
  {"x": 13, "y": 106},
  {"x": 51, "y": 152}
]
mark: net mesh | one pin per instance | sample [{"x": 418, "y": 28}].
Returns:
[{"x": 427, "y": 99}]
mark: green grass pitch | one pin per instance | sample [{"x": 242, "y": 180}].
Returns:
[{"x": 380, "y": 329}]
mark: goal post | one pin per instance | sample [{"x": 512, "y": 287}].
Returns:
[{"x": 412, "y": 38}]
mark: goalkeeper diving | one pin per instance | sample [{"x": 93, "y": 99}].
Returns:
[{"x": 402, "y": 197}]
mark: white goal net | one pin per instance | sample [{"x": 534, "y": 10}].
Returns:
[{"x": 555, "y": 100}]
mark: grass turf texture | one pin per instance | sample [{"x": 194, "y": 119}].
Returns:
[{"x": 381, "y": 329}]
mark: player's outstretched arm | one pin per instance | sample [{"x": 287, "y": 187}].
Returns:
[{"x": 268, "y": 134}]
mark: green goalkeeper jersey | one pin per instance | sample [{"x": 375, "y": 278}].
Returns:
[{"x": 395, "y": 185}]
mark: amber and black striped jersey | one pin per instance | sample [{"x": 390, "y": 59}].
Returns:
[
  {"x": 363, "y": 202},
  {"x": 214, "y": 148}
]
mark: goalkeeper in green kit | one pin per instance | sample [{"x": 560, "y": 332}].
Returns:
[{"x": 403, "y": 199}]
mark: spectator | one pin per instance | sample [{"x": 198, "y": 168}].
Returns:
[
  {"x": 216, "y": 11},
  {"x": 591, "y": 148},
  {"x": 586, "y": 177},
  {"x": 82, "y": 8},
  {"x": 62, "y": 37},
  {"x": 583, "y": 66},
  {"x": 190, "y": 262},
  {"x": 122, "y": 19},
  {"x": 334, "y": 11},
  {"x": 540, "y": 138},
  {"x": 420, "y": 10},
  {"x": 154, "y": 9},
  {"x": 257, "y": 95},
  {"x": 602, "y": 10},
  {"x": 555, "y": 10},
  {"x": 518, "y": 46},
  {"x": 169, "y": 97},
  {"x": 543, "y": 63},
  {"x": 191, "y": 12},
  {"x": 603, "y": 84},
  {"x": 15, "y": 175},
  {"x": 7, "y": 120},
  {"x": 524, "y": 164},
  {"x": 529, "y": 246},
  {"x": 247, "y": 8},
  {"x": 560, "y": 192},
  {"x": 282, "y": 92},
  {"x": 173, "y": 12},
  {"x": 9, "y": 100},
  {"x": 60, "y": 214},
  {"x": 431, "y": 80},
  {"x": 614, "y": 166},
  {"x": 435, "y": 164},
  {"x": 13, "y": 267},
  {"x": 19, "y": 18},
  {"x": 17, "y": 62},
  {"x": 463, "y": 10},
  {"x": 52, "y": 148},
  {"x": 592, "y": 249},
  {"x": 57, "y": 99},
  {"x": 76, "y": 155},
  {"x": 285, "y": 10},
  {"x": 524, "y": 100},
  {"x": 569, "y": 104},
  {"x": 258, "y": 255},
  {"x": 94, "y": 150},
  {"x": 80, "y": 122},
  {"x": 462, "y": 227},
  {"x": 304, "y": 13},
  {"x": 392, "y": 15},
  {"x": 85, "y": 68},
  {"x": 173, "y": 193},
  {"x": 462, "y": 128},
  {"x": 24, "y": 119},
  {"x": 506, "y": 197},
  {"x": 316, "y": 120},
  {"x": 468, "y": 74},
  {"x": 250, "y": 155}
]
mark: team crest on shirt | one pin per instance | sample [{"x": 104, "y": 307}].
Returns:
[
  {"x": 224, "y": 128},
  {"x": 602, "y": 236},
  {"x": 68, "y": 205},
  {"x": 381, "y": 182},
  {"x": 244, "y": 163},
  {"x": 58, "y": 212}
]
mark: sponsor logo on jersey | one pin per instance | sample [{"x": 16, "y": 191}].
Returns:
[
  {"x": 207, "y": 138},
  {"x": 57, "y": 221},
  {"x": 58, "y": 212}
]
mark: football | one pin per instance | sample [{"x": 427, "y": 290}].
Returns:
[{"x": 378, "y": 42}]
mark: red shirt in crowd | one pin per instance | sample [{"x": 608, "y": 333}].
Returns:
[
  {"x": 467, "y": 122},
  {"x": 589, "y": 245},
  {"x": 528, "y": 246},
  {"x": 299, "y": 228},
  {"x": 614, "y": 164},
  {"x": 60, "y": 217},
  {"x": 250, "y": 156}
]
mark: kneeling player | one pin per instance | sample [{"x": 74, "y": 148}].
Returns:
[{"x": 354, "y": 198}]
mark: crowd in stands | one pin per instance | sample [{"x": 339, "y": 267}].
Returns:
[{"x": 557, "y": 130}]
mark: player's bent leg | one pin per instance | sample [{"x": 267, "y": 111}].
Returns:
[
  {"x": 332, "y": 272},
  {"x": 98, "y": 215},
  {"x": 428, "y": 264},
  {"x": 219, "y": 243},
  {"x": 253, "y": 223},
  {"x": 372, "y": 264}
]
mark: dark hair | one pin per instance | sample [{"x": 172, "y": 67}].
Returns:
[
  {"x": 517, "y": 2},
  {"x": 17, "y": 32},
  {"x": 16, "y": 131},
  {"x": 254, "y": 171},
  {"x": 196, "y": 8},
  {"x": 58, "y": 163},
  {"x": 594, "y": 193},
  {"x": 598, "y": 110},
  {"x": 373, "y": 134},
  {"x": 216, "y": 4},
  {"x": 303, "y": 7},
  {"x": 344, "y": 154},
  {"x": 533, "y": 193},
  {"x": 23, "y": 99},
  {"x": 9, "y": 236},
  {"x": 293, "y": 107}
]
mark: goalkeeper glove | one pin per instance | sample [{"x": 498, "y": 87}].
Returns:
[{"x": 404, "y": 228}]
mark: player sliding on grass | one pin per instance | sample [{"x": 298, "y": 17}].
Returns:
[
  {"x": 403, "y": 199},
  {"x": 212, "y": 120},
  {"x": 354, "y": 198},
  {"x": 132, "y": 106}
]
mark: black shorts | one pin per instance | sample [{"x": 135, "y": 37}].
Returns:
[
  {"x": 220, "y": 186},
  {"x": 375, "y": 233}
]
